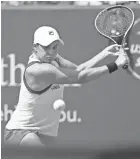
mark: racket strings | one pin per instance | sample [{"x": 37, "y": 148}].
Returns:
[{"x": 114, "y": 22}]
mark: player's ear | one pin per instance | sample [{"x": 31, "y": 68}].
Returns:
[{"x": 34, "y": 47}]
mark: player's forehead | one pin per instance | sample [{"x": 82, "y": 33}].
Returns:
[
  {"x": 55, "y": 43},
  {"x": 51, "y": 45}
]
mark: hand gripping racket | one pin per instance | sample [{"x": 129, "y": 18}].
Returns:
[{"x": 114, "y": 23}]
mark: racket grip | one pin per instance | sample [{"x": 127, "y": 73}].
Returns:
[{"x": 125, "y": 66}]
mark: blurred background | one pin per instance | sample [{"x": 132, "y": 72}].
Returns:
[
  {"x": 67, "y": 3},
  {"x": 102, "y": 118}
]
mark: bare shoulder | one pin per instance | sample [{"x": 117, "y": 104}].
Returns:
[
  {"x": 37, "y": 75},
  {"x": 40, "y": 68}
]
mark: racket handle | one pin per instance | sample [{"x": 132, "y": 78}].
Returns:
[{"x": 125, "y": 66}]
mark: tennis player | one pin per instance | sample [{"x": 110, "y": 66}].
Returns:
[{"x": 35, "y": 121}]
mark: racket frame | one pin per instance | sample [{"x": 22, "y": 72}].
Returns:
[{"x": 124, "y": 35}]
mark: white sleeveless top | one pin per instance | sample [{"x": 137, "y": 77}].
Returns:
[{"x": 35, "y": 111}]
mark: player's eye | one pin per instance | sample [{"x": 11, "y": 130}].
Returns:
[{"x": 54, "y": 47}]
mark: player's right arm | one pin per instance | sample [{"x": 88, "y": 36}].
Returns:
[
  {"x": 51, "y": 75},
  {"x": 112, "y": 50}
]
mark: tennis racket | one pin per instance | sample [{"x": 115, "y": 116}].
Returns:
[{"x": 114, "y": 23}]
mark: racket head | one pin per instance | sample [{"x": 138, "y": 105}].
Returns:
[{"x": 114, "y": 23}]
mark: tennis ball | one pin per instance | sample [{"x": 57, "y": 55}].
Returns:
[{"x": 59, "y": 105}]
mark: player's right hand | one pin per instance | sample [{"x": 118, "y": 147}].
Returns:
[{"x": 122, "y": 60}]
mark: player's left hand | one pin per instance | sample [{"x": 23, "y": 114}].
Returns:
[{"x": 114, "y": 50}]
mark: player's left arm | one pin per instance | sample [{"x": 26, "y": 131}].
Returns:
[{"x": 64, "y": 63}]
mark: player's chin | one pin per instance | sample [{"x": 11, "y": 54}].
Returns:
[{"x": 47, "y": 60}]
